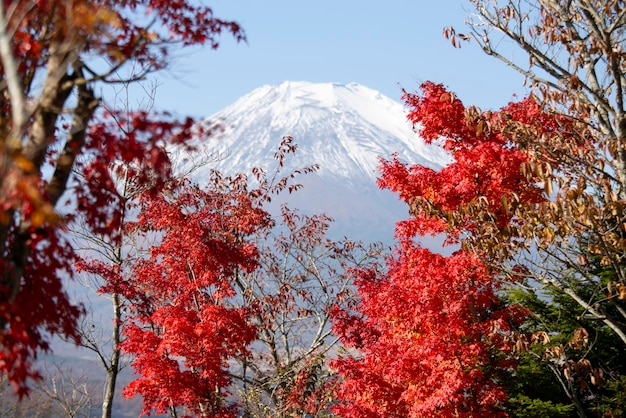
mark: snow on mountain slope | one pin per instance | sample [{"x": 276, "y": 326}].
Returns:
[{"x": 343, "y": 128}]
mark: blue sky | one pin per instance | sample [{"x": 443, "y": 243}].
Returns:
[{"x": 382, "y": 45}]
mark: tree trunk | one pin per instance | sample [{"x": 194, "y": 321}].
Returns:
[{"x": 114, "y": 366}]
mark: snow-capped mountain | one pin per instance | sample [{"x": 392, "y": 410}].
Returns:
[{"x": 344, "y": 128}]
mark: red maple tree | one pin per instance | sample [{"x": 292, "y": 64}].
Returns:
[
  {"x": 54, "y": 56},
  {"x": 426, "y": 332},
  {"x": 430, "y": 336},
  {"x": 192, "y": 314},
  {"x": 182, "y": 331}
]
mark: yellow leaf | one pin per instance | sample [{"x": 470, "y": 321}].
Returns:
[
  {"x": 572, "y": 194},
  {"x": 24, "y": 163},
  {"x": 505, "y": 204},
  {"x": 548, "y": 234},
  {"x": 548, "y": 169},
  {"x": 37, "y": 219},
  {"x": 480, "y": 128},
  {"x": 547, "y": 185}
]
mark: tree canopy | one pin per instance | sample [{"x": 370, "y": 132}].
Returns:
[{"x": 54, "y": 54}]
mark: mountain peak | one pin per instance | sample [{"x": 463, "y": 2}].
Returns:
[
  {"x": 344, "y": 128},
  {"x": 320, "y": 94}
]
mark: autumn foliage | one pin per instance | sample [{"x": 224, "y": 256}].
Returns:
[
  {"x": 489, "y": 174},
  {"x": 226, "y": 307},
  {"x": 54, "y": 56},
  {"x": 432, "y": 336},
  {"x": 428, "y": 340},
  {"x": 182, "y": 333},
  {"x": 304, "y": 275}
]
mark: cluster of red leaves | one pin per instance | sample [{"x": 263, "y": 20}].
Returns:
[
  {"x": 425, "y": 333},
  {"x": 429, "y": 333},
  {"x": 485, "y": 170},
  {"x": 183, "y": 331},
  {"x": 42, "y": 308},
  {"x": 124, "y": 147},
  {"x": 35, "y": 314}
]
